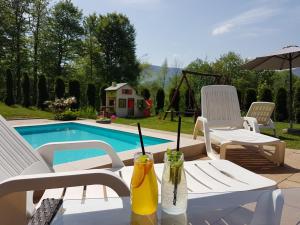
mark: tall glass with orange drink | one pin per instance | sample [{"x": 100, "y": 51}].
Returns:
[{"x": 144, "y": 194}]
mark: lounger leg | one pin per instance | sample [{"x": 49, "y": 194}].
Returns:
[
  {"x": 223, "y": 151},
  {"x": 280, "y": 153},
  {"x": 196, "y": 129},
  {"x": 13, "y": 209}
]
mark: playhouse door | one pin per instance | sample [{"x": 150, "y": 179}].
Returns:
[{"x": 130, "y": 107}]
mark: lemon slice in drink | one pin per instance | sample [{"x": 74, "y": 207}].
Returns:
[{"x": 138, "y": 175}]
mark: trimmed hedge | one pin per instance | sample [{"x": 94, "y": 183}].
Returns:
[
  {"x": 266, "y": 95},
  {"x": 103, "y": 95},
  {"x": 91, "y": 95},
  {"x": 74, "y": 91},
  {"x": 297, "y": 104},
  {"x": 160, "y": 100},
  {"x": 9, "y": 100},
  {"x": 59, "y": 88},
  {"x": 26, "y": 90},
  {"x": 42, "y": 92},
  {"x": 281, "y": 112},
  {"x": 250, "y": 96}
]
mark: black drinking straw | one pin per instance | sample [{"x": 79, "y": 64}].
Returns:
[
  {"x": 176, "y": 169},
  {"x": 141, "y": 139},
  {"x": 178, "y": 132}
]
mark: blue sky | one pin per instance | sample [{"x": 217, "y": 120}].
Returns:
[{"x": 182, "y": 31}]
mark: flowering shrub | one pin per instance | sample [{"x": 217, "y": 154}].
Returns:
[{"x": 61, "y": 104}]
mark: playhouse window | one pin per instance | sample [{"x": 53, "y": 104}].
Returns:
[
  {"x": 126, "y": 91},
  {"x": 122, "y": 103}
]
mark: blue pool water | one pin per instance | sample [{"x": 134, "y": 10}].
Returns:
[{"x": 120, "y": 141}]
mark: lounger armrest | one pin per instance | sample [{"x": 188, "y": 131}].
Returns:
[
  {"x": 47, "y": 150},
  {"x": 250, "y": 123},
  {"x": 64, "y": 179}
]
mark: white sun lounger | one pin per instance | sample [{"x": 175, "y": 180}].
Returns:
[
  {"x": 221, "y": 123},
  {"x": 24, "y": 169},
  {"x": 262, "y": 111}
]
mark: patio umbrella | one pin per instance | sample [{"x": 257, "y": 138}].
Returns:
[{"x": 285, "y": 58}]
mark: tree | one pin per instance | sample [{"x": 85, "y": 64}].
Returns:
[
  {"x": 17, "y": 13},
  {"x": 116, "y": 36},
  {"x": 163, "y": 73},
  {"x": 146, "y": 93},
  {"x": 63, "y": 35},
  {"x": 9, "y": 100},
  {"x": 176, "y": 101},
  {"x": 42, "y": 91},
  {"x": 59, "y": 88},
  {"x": 91, "y": 95},
  {"x": 92, "y": 48},
  {"x": 250, "y": 97},
  {"x": 229, "y": 65},
  {"x": 38, "y": 15},
  {"x": 281, "y": 112},
  {"x": 160, "y": 100},
  {"x": 26, "y": 90},
  {"x": 74, "y": 91}
]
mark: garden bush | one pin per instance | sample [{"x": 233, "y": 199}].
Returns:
[
  {"x": 176, "y": 102},
  {"x": 66, "y": 116},
  {"x": 74, "y": 91},
  {"x": 9, "y": 100},
  {"x": 160, "y": 100},
  {"x": 26, "y": 90},
  {"x": 91, "y": 95},
  {"x": 146, "y": 93},
  {"x": 42, "y": 92},
  {"x": 61, "y": 104},
  {"x": 281, "y": 112},
  {"x": 250, "y": 97},
  {"x": 297, "y": 104},
  {"x": 59, "y": 88},
  {"x": 266, "y": 95}
]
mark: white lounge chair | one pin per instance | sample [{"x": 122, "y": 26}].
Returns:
[
  {"x": 221, "y": 123},
  {"x": 24, "y": 169},
  {"x": 262, "y": 111}
]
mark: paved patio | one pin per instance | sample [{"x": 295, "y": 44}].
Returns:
[{"x": 286, "y": 176}]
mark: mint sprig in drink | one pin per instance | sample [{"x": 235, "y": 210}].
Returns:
[{"x": 174, "y": 188}]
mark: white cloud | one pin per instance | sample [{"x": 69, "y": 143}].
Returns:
[{"x": 249, "y": 17}]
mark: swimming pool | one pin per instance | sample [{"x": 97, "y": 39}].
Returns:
[{"x": 119, "y": 140}]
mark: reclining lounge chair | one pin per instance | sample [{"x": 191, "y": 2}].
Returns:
[{"x": 222, "y": 124}]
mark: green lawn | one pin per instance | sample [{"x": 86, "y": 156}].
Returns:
[
  {"x": 293, "y": 141},
  {"x": 16, "y": 111}
]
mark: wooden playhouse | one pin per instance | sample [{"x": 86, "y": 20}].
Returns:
[{"x": 123, "y": 100}]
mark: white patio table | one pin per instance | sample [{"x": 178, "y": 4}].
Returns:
[{"x": 266, "y": 207}]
